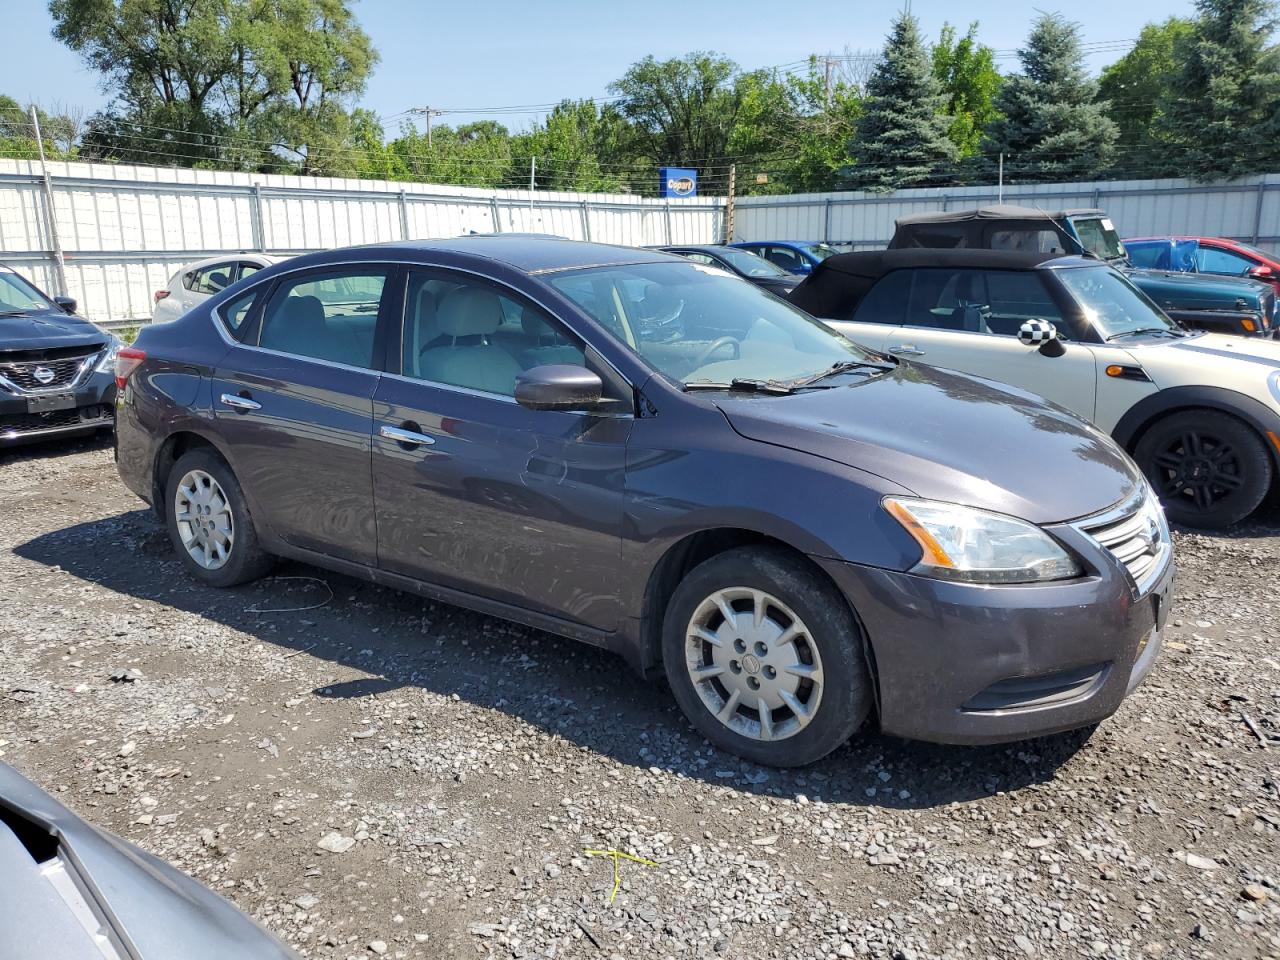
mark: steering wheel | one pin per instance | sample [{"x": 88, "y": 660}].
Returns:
[{"x": 715, "y": 345}]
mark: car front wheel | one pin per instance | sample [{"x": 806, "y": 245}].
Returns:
[
  {"x": 765, "y": 657},
  {"x": 209, "y": 522},
  {"x": 1209, "y": 469}
]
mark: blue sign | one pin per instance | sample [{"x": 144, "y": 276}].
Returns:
[{"x": 677, "y": 182}]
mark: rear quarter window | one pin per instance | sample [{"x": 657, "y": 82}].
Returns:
[{"x": 234, "y": 313}]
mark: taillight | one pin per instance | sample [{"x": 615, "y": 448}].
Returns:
[
  {"x": 160, "y": 295},
  {"x": 127, "y": 360}
]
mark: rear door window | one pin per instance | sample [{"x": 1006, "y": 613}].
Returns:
[
  {"x": 326, "y": 316},
  {"x": 212, "y": 279},
  {"x": 886, "y": 302}
]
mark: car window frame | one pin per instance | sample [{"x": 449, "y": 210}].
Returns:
[
  {"x": 613, "y": 379},
  {"x": 392, "y": 299}
]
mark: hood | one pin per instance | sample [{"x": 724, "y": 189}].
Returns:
[
  {"x": 1199, "y": 291},
  {"x": 47, "y": 329},
  {"x": 951, "y": 437},
  {"x": 1209, "y": 350},
  {"x": 60, "y": 875}
]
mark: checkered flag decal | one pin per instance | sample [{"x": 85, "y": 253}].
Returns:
[{"x": 1035, "y": 332}]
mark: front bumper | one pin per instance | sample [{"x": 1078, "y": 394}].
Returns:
[
  {"x": 94, "y": 409},
  {"x": 973, "y": 664}
]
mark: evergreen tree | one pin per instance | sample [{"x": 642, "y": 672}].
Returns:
[
  {"x": 1052, "y": 127},
  {"x": 1221, "y": 112},
  {"x": 902, "y": 133}
]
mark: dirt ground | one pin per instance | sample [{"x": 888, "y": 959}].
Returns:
[{"x": 370, "y": 774}]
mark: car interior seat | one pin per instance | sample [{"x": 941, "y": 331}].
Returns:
[
  {"x": 468, "y": 317},
  {"x": 546, "y": 345},
  {"x": 301, "y": 329}
]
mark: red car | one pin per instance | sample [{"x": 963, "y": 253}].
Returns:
[{"x": 1219, "y": 255}]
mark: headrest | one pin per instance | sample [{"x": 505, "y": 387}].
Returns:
[
  {"x": 304, "y": 312},
  {"x": 468, "y": 311}
]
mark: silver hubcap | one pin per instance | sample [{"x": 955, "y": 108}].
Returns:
[
  {"x": 754, "y": 663},
  {"x": 203, "y": 515}
]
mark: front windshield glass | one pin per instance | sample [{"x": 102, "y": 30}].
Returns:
[
  {"x": 749, "y": 263},
  {"x": 1098, "y": 236},
  {"x": 820, "y": 251},
  {"x": 700, "y": 325},
  {"x": 18, "y": 296},
  {"x": 1112, "y": 304}
]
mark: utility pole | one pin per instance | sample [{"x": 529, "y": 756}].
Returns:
[
  {"x": 59, "y": 262},
  {"x": 427, "y": 112},
  {"x": 826, "y": 78},
  {"x": 1000, "y": 187},
  {"x": 728, "y": 207},
  {"x": 533, "y": 174}
]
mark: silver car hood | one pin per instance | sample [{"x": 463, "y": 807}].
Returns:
[{"x": 73, "y": 892}]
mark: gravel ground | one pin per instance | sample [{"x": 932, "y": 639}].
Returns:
[{"x": 380, "y": 775}]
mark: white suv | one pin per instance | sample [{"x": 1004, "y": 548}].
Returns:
[
  {"x": 1200, "y": 412},
  {"x": 197, "y": 282}
]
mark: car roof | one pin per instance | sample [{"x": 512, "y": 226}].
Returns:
[
  {"x": 708, "y": 247},
  {"x": 996, "y": 212},
  {"x": 876, "y": 263},
  {"x": 529, "y": 254},
  {"x": 777, "y": 243}
]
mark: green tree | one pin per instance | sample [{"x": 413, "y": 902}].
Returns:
[
  {"x": 1133, "y": 86},
  {"x": 682, "y": 110},
  {"x": 1051, "y": 125},
  {"x": 966, "y": 69},
  {"x": 902, "y": 134},
  {"x": 1220, "y": 115}
]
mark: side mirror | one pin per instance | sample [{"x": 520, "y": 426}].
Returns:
[
  {"x": 1261, "y": 272},
  {"x": 559, "y": 386},
  {"x": 1043, "y": 335},
  {"x": 68, "y": 304}
]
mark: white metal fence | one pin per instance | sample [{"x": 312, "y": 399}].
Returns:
[
  {"x": 124, "y": 230},
  {"x": 1247, "y": 209}
]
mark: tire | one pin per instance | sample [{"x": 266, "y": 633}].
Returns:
[
  {"x": 830, "y": 681},
  {"x": 225, "y": 539},
  {"x": 1210, "y": 469}
]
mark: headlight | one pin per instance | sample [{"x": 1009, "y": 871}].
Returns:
[
  {"x": 961, "y": 543},
  {"x": 108, "y": 362}
]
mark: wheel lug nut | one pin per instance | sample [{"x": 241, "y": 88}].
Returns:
[
  {"x": 770, "y": 673},
  {"x": 761, "y": 649}
]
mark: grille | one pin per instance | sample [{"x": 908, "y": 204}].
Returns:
[
  {"x": 23, "y": 374},
  {"x": 1137, "y": 535},
  {"x": 24, "y": 423}
]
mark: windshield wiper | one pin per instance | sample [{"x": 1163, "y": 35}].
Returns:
[
  {"x": 1143, "y": 331},
  {"x": 13, "y": 313},
  {"x": 742, "y": 383},
  {"x": 843, "y": 366}
]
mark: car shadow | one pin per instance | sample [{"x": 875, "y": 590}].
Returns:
[
  {"x": 583, "y": 694},
  {"x": 53, "y": 448}
]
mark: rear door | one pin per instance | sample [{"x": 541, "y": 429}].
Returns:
[
  {"x": 294, "y": 403},
  {"x": 968, "y": 320},
  {"x": 474, "y": 491}
]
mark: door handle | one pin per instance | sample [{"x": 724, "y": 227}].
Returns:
[
  {"x": 405, "y": 437},
  {"x": 238, "y": 403},
  {"x": 907, "y": 350}
]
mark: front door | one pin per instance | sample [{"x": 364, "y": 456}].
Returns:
[
  {"x": 295, "y": 405},
  {"x": 966, "y": 319},
  {"x": 474, "y": 491}
]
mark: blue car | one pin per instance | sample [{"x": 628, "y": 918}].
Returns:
[{"x": 793, "y": 256}]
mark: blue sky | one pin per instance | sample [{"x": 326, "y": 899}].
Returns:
[{"x": 502, "y": 53}]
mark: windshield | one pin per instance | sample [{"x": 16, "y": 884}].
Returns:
[
  {"x": 1112, "y": 304},
  {"x": 820, "y": 251},
  {"x": 749, "y": 263},
  {"x": 1098, "y": 236},
  {"x": 18, "y": 296},
  {"x": 700, "y": 325}
]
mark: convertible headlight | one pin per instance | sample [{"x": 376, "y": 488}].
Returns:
[
  {"x": 976, "y": 546},
  {"x": 107, "y": 364}
]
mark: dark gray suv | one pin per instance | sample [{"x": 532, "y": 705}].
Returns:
[{"x": 648, "y": 455}]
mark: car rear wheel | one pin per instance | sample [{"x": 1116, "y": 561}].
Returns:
[
  {"x": 1209, "y": 469},
  {"x": 209, "y": 522},
  {"x": 765, "y": 657}
]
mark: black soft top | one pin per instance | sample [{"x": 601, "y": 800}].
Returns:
[{"x": 1003, "y": 211}]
